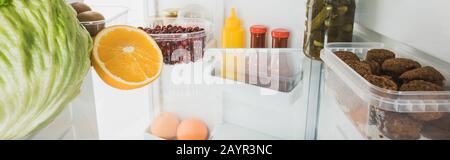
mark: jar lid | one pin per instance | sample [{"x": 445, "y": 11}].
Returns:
[
  {"x": 280, "y": 33},
  {"x": 171, "y": 12},
  {"x": 258, "y": 29}
]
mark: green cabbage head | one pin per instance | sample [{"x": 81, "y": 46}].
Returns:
[{"x": 44, "y": 57}]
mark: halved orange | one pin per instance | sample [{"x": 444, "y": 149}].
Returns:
[{"x": 126, "y": 57}]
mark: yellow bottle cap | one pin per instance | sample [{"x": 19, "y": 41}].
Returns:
[{"x": 233, "y": 21}]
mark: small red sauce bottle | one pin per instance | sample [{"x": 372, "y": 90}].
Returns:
[
  {"x": 280, "y": 38},
  {"x": 258, "y": 36}
]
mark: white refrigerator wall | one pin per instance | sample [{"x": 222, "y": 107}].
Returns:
[
  {"x": 419, "y": 23},
  {"x": 422, "y": 24},
  {"x": 289, "y": 14},
  {"x": 136, "y": 7}
]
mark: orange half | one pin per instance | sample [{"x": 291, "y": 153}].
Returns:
[{"x": 126, "y": 57}]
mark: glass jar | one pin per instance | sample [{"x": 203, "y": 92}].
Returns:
[
  {"x": 327, "y": 21},
  {"x": 258, "y": 36},
  {"x": 280, "y": 38},
  {"x": 171, "y": 12}
]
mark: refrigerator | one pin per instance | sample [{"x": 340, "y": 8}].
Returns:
[{"x": 308, "y": 99}]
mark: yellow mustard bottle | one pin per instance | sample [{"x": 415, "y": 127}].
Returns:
[
  {"x": 233, "y": 33},
  {"x": 233, "y": 37}
]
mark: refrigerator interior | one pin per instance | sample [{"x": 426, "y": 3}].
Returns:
[
  {"x": 101, "y": 112},
  {"x": 127, "y": 114},
  {"x": 236, "y": 109}
]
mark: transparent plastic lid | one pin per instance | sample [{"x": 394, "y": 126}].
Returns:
[
  {"x": 184, "y": 22},
  {"x": 398, "y": 101}
]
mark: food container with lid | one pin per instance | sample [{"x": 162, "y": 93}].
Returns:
[
  {"x": 383, "y": 114},
  {"x": 207, "y": 10},
  {"x": 180, "y": 48}
]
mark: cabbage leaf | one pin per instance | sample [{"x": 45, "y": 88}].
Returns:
[{"x": 44, "y": 57}]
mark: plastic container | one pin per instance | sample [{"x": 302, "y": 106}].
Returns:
[
  {"x": 258, "y": 36},
  {"x": 114, "y": 15},
  {"x": 280, "y": 38},
  {"x": 180, "y": 48},
  {"x": 211, "y": 11},
  {"x": 381, "y": 114}
]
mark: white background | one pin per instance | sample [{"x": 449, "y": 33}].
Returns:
[{"x": 423, "y": 24}]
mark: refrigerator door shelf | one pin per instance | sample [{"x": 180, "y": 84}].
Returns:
[
  {"x": 258, "y": 96},
  {"x": 267, "y": 111}
]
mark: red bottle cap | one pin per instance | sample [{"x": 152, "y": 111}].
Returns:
[
  {"x": 280, "y": 33},
  {"x": 260, "y": 29}
]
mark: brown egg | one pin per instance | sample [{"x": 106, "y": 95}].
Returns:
[
  {"x": 165, "y": 126},
  {"x": 192, "y": 129}
]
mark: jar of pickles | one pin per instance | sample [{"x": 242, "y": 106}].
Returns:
[{"x": 327, "y": 21}]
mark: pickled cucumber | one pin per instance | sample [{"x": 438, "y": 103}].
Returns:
[{"x": 330, "y": 20}]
